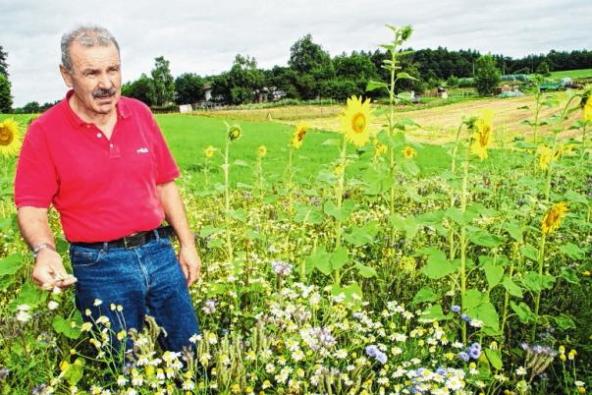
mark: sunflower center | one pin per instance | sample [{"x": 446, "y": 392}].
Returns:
[
  {"x": 359, "y": 123},
  {"x": 6, "y": 136}
]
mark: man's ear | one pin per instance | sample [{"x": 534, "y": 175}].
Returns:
[{"x": 66, "y": 76}]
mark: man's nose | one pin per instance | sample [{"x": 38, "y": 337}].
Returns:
[{"x": 105, "y": 81}]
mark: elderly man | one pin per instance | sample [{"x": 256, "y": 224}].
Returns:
[{"x": 103, "y": 163}]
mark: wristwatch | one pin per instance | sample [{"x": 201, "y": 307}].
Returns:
[{"x": 36, "y": 248}]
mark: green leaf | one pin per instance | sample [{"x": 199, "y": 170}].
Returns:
[
  {"x": 572, "y": 251},
  {"x": 514, "y": 230},
  {"x": 11, "y": 264},
  {"x": 320, "y": 260},
  {"x": 405, "y": 76},
  {"x": 484, "y": 239},
  {"x": 410, "y": 168},
  {"x": 308, "y": 215},
  {"x": 564, "y": 322},
  {"x": 366, "y": 271},
  {"x": 494, "y": 274},
  {"x": 331, "y": 209},
  {"x": 434, "y": 313},
  {"x": 374, "y": 85},
  {"x": 352, "y": 293},
  {"x": 512, "y": 288},
  {"x": 487, "y": 313},
  {"x": 29, "y": 295},
  {"x": 339, "y": 258},
  {"x": 522, "y": 311},
  {"x": 495, "y": 358},
  {"x": 437, "y": 266},
  {"x": 472, "y": 299},
  {"x": 569, "y": 275},
  {"x": 362, "y": 235},
  {"x": 426, "y": 294},
  {"x": 68, "y": 328},
  {"x": 536, "y": 282},
  {"x": 209, "y": 230},
  {"x": 529, "y": 252}
]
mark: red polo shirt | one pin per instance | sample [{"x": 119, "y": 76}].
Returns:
[{"x": 104, "y": 189}]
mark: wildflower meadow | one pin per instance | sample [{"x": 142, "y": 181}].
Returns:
[{"x": 357, "y": 262}]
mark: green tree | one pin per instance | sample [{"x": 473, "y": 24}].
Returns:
[
  {"x": 487, "y": 75},
  {"x": 312, "y": 65},
  {"x": 3, "y": 64},
  {"x": 543, "y": 68},
  {"x": 5, "y": 96},
  {"x": 188, "y": 88},
  {"x": 141, "y": 89},
  {"x": 163, "y": 82}
]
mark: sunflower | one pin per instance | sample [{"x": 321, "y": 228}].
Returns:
[
  {"x": 261, "y": 151},
  {"x": 234, "y": 132},
  {"x": 299, "y": 134},
  {"x": 209, "y": 151},
  {"x": 10, "y": 138},
  {"x": 482, "y": 134},
  {"x": 409, "y": 152},
  {"x": 546, "y": 156},
  {"x": 553, "y": 218},
  {"x": 356, "y": 120}
]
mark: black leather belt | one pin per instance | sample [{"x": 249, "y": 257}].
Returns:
[{"x": 131, "y": 241}]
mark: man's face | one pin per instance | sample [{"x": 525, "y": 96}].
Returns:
[{"x": 95, "y": 77}]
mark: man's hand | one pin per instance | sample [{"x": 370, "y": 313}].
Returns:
[
  {"x": 49, "y": 271},
  {"x": 190, "y": 263}
]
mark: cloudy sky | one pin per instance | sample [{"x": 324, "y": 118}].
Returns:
[{"x": 204, "y": 36}]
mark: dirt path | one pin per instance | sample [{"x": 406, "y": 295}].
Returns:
[{"x": 437, "y": 125}]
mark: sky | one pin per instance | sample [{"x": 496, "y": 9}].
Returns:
[{"x": 203, "y": 37}]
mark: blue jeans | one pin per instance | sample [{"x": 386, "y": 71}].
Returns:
[{"x": 142, "y": 280}]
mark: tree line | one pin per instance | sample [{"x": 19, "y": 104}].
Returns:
[{"x": 313, "y": 73}]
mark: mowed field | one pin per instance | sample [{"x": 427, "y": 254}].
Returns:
[{"x": 436, "y": 125}]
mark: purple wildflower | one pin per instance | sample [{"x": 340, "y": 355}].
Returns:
[
  {"x": 455, "y": 308},
  {"x": 281, "y": 268}
]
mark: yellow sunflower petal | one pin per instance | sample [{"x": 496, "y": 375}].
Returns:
[
  {"x": 356, "y": 121},
  {"x": 10, "y": 137}
]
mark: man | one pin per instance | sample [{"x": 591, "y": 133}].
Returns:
[{"x": 102, "y": 162}]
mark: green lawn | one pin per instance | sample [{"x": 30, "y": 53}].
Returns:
[
  {"x": 581, "y": 73},
  {"x": 189, "y": 135}
]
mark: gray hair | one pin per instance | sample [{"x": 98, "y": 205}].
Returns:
[{"x": 87, "y": 36}]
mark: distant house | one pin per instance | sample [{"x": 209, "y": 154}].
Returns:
[{"x": 207, "y": 92}]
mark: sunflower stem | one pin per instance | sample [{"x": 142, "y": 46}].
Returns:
[
  {"x": 463, "y": 240},
  {"x": 227, "y": 199},
  {"x": 339, "y": 200},
  {"x": 537, "y": 302}
]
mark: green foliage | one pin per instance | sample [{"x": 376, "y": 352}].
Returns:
[
  {"x": 543, "y": 69},
  {"x": 163, "y": 82},
  {"x": 188, "y": 88},
  {"x": 5, "y": 95},
  {"x": 487, "y": 75},
  {"x": 141, "y": 89}
]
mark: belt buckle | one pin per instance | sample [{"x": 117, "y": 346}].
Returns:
[{"x": 134, "y": 240}]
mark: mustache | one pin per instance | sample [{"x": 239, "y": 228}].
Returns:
[{"x": 101, "y": 93}]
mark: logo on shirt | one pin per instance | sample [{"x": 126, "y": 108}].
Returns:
[{"x": 142, "y": 150}]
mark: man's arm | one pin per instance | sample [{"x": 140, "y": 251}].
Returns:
[
  {"x": 174, "y": 210},
  {"x": 49, "y": 270}
]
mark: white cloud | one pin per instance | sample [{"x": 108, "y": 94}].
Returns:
[{"x": 204, "y": 36}]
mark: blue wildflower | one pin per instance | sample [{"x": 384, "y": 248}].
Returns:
[
  {"x": 455, "y": 308},
  {"x": 464, "y": 356}
]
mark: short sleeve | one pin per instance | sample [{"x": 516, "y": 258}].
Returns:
[
  {"x": 166, "y": 167},
  {"x": 36, "y": 181}
]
